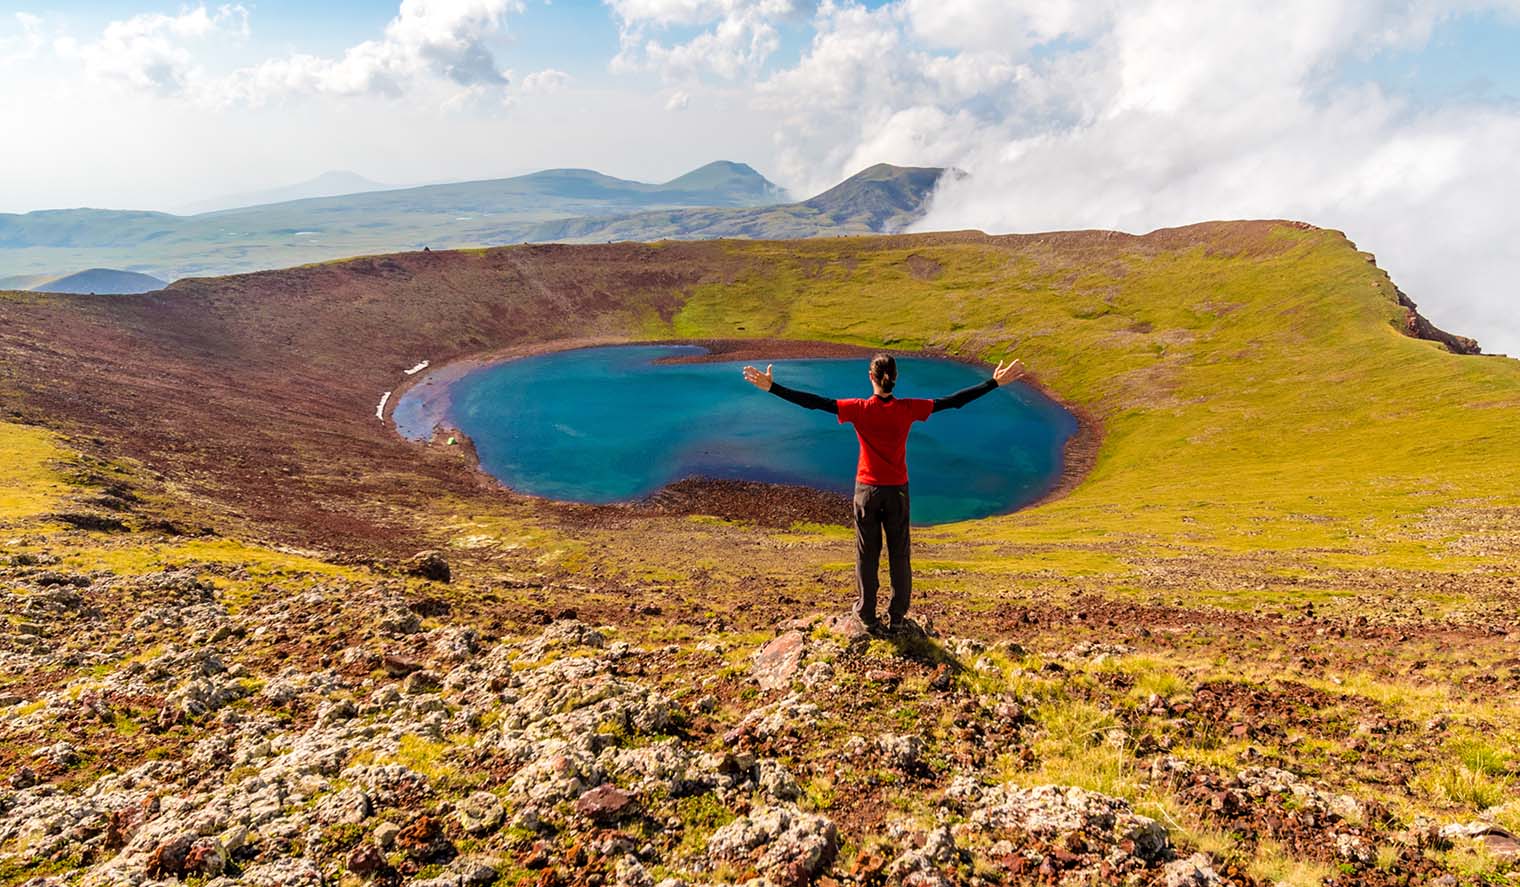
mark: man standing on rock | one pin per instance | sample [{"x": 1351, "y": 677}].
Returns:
[{"x": 881, "y": 477}]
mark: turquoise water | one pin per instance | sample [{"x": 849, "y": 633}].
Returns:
[{"x": 611, "y": 425}]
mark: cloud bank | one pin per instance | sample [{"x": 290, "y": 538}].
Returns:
[{"x": 1155, "y": 113}]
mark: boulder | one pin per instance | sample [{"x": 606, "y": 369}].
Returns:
[
  {"x": 924, "y": 866},
  {"x": 429, "y": 565},
  {"x": 350, "y": 806},
  {"x": 365, "y": 859},
  {"x": 206, "y": 858},
  {"x": 1056, "y": 812},
  {"x": 167, "y": 860},
  {"x": 604, "y": 803},
  {"x": 481, "y": 813},
  {"x": 782, "y": 843},
  {"x": 1195, "y": 871},
  {"x": 776, "y": 664},
  {"x": 848, "y": 626},
  {"x": 423, "y": 841},
  {"x": 902, "y": 753}
]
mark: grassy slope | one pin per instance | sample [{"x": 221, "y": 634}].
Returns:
[{"x": 1271, "y": 403}]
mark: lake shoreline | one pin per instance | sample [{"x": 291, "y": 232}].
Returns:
[{"x": 781, "y": 504}]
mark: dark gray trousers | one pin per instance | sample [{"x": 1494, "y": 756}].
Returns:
[{"x": 880, "y": 510}]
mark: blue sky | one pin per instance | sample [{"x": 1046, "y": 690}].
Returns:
[
  {"x": 1394, "y": 120},
  {"x": 1472, "y": 54}
]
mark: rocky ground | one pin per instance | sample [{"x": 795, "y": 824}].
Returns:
[{"x": 161, "y": 727}]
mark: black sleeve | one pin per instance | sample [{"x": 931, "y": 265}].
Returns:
[
  {"x": 963, "y": 397},
  {"x": 804, "y": 399}
]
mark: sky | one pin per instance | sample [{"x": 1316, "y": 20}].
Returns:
[{"x": 1396, "y": 121}]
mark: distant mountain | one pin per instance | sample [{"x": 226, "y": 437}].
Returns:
[
  {"x": 738, "y": 181},
  {"x": 329, "y": 184},
  {"x": 720, "y": 199},
  {"x": 99, "y": 281},
  {"x": 883, "y": 199},
  {"x": 315, "y": 229}
]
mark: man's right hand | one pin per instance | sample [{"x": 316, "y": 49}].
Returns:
[
  {"x": 1010, "y": 372},
  {"x": 758, "y": 379}
]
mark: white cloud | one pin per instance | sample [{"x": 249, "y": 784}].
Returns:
[
  {"x": 445, "y": 40},
  {"x": 737, "y": 36},
  {"x": 547, "y": 81},
  {"x": 25, "y": 43},
  {"x": 1165, "y": 112},
  {"x": 151, "y": 51},
  {"x": 679, "y": 100},
  {"x": 438, "y": 41}
]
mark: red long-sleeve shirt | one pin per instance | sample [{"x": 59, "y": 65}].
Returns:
[{"x": 882, "y": 424}]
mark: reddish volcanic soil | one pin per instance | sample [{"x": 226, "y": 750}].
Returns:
[{"x": 257, "y": 393}]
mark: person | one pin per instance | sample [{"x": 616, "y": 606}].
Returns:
[{"x": 881, "y": 477}]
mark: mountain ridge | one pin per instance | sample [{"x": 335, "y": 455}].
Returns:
[
  {"x": 718, "y": 199},
  {"x": 881, "y": 199},
  {"x": 332, "y": 183}
]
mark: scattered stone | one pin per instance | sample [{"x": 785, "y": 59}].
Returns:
[
  {"x": 423, "y": 840},
  {"x": 924, "y": 866},
  {"x": 605, "y": 803},
  {"x": 1497, "y": 840},
  {"x": 385, "y": 834},
  {"x": 1195, "y": 871},
  {"x": 420, "y": 682},
  {"x": 783, "y": 843},
  {"x": 776, "y": 782},
  {"x": 233, "y": 838},
  {"x": 429, "y": 565},
  {"x": 817, "y": 675},
  {"x": 167, "y": 860},
  {"x": 775, "y": 664},
  {"x": 350, "y": 806},
  {"x": 398, "y": 620},
  {"x": 84, "y": 520},
  {"x": 631, "y": 873},
  {"x": 283, "y": 873},
  {"x": 206, "y": 858},
  {"x": 1354, "y": 848},
  {"x": 1054, "y": 812},
  {"x": 365, "y": 859},
  {"x": 848, "y": 626},
  {"x": 902, "y": 753},
  {"x": 60, "y": 753},
  {"x": 398, "y": 666},
  {"x": 481, "y": 813}
]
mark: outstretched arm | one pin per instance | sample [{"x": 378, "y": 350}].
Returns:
[
  {"x": 765, "y": 382},
  {"x": 1004, "y": 374}
]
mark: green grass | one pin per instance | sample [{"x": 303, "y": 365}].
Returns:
[
  {"x": 30, "y": 481},
  {"x": 1271, "y": 405}
]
